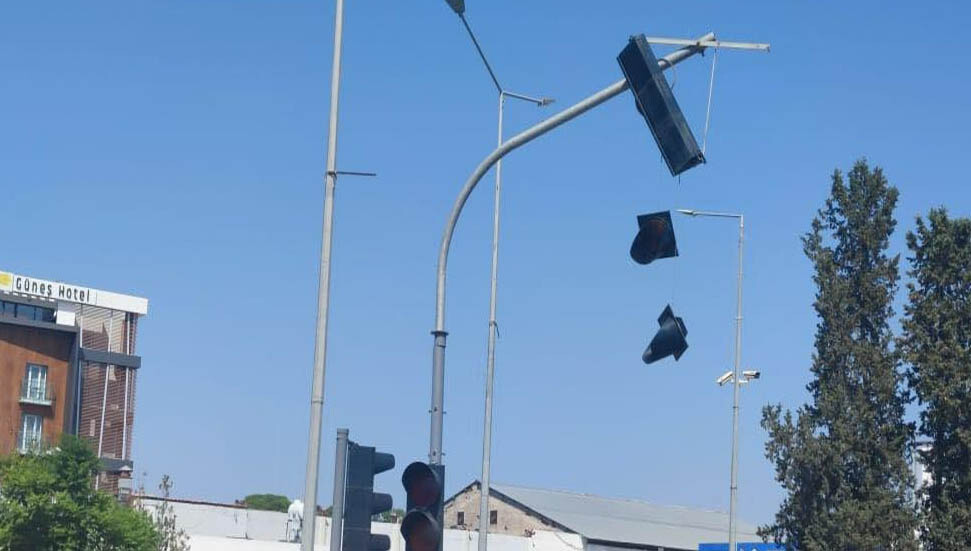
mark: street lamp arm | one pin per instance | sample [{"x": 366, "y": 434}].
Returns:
[
  {"x": 481, "y": 53},
  {"x": 512, "y": 143},
  {"x": 692, "y": 212},
  {"x": 523, "y": 138}
]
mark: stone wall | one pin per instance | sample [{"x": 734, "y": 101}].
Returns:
[{"x": 462, "y": 513}]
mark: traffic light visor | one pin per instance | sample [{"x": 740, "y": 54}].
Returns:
[
  {"x": 654, "y": 239},
  {"x": 669, "y": 340},
  {"x": 421, "y": 484}
]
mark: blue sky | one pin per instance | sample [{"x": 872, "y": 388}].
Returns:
[{"x": 176, "y": 150}]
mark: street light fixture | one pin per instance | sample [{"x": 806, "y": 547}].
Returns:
[{"x": 735, "y": 376}]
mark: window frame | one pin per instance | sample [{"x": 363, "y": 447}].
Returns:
[
  {"x": 494, "y": 517},
  {"x": 38, "y": 391},
  {"x": 460, "y": 518},
  {"x": 36, "y": 432}
]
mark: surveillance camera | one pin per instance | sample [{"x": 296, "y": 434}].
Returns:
[
  {"x": 751, "y": 374},
  {"x": 724, "y": 378}
]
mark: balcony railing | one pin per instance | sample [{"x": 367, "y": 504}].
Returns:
[{"x": 33, "y": 393}]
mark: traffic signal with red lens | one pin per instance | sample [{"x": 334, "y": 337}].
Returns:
[
  {"x": 422, "y": 527},
  {"x": 654, "y": 239}
]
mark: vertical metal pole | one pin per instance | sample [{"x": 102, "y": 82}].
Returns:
[
  {"x": 490, "y": 355},
  {"x": 732, "y": 528},
  {"x": 438, "y": 397},
  {"x": 323, "y": 297},
  {"x": 337, "y": 512},
  {"x": 104, "y": 399},
  {"x": 124, "y": 411}
]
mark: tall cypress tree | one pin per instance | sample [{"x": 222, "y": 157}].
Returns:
[
  {"x": 843, "y": 459},
  {"x": 937, "y": 344}
]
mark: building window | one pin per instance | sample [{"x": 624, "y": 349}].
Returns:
[
  {"x": 31, "y": 431},
  {"x": 35, "y": 383},
  {"x": 493, "y": 517},
  {"x": 26, "y": 311},
  {"x": 460, "y": 518}
]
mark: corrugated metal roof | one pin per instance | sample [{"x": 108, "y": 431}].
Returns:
[{"x": 628, "y": 521}]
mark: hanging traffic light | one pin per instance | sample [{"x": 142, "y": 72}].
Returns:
[
  {"x": 669, "y": 338},
  {"x": 360, "y": 501},
  {"x": 654, "y": 239},
  {"x": 656, "y": 103},
  {"x": 422, "y": 527}
]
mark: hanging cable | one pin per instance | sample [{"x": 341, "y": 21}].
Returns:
[{"x": 711, "y": 87}]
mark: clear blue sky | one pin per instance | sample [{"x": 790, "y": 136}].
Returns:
[{"x": 176, "y": 150}]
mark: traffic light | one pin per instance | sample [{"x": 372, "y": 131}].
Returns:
[
  {"x": 657, "y": 105},
  {"x": 654, "y": 239},
  {"x": 360, "y": 501},
  {"x": 669, "y": 338},
  {"x": 423, "y": 523}
]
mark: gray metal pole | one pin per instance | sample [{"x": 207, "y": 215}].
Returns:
[
  {"x": 439, "y": 333},
  {"x": 732, "y": 524},
  {"x": 337, "y": 511},
  {"x": 490, "y": 355},
  {"x": 323, "y": 296}
]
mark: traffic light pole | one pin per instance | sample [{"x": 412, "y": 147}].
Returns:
[
  {"x": 323, "y": 298},
  {"x": 340, "y": 472},
  {"x": 439, "y": 334}
]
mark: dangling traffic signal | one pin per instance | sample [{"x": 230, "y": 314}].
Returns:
[
  {"x": 657, "y": 105},
  {"x": 422, "y": 527},
  {"x": 669, "y": 338},
  {"x": 360, "y": 501},
  {"x": 654, "y": 239}
]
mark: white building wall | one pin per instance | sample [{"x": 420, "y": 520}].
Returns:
[{"x": 214, "y": 527}]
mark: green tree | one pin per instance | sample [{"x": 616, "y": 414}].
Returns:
[
  {"x": 394, "y": 515},
  {"x": 937, "y": 344},
  {"x": 843, "y": 459},
  {"x": 49, "y": 503},
  {"x": 267, "y": 502}
]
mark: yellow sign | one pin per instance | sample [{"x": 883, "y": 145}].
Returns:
[{"x": 6, "y": 281}]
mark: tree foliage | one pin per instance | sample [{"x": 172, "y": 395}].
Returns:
[
  {"x": 937, "y": 344},
  {"x": 394, "y": 515},
  {"x": 842, "y": 459},
  {"x": 49, "y": 503},
  {"x": 267, "y": 502}
]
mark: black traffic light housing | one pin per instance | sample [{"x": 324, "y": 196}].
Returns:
[
  {"x": 656, "y": 103},
  {"x": 360, "y": 501},
  {"x": 669, "y": 340},
  {"x": 654, "y": 239},
  {"x": 423, "y": 525}
]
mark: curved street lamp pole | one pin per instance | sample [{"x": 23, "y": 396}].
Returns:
[{"x": 439, "y": 334}]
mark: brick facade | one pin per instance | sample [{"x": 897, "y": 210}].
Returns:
[{"x": 20, "y": 346}]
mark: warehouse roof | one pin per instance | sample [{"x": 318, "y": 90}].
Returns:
[{"x": 625, "y": 521}]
